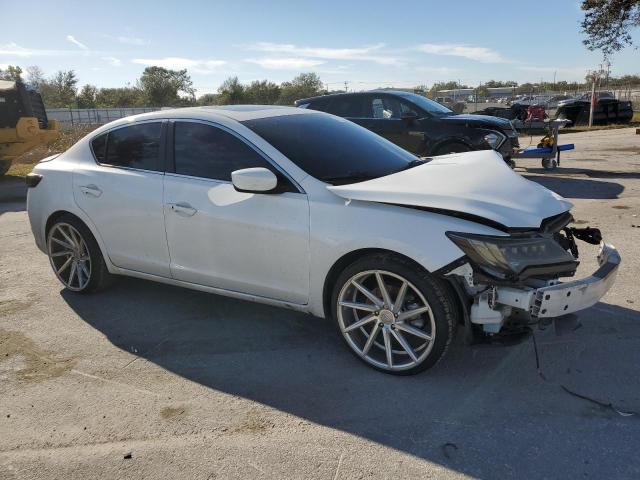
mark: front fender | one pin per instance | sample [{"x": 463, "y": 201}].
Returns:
[{"x": 342, "y": 227}]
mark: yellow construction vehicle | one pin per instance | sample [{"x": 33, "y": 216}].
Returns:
[{"x": 23, "y": 122}]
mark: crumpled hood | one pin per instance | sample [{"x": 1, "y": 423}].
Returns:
[{"x": 475, "y": 183}]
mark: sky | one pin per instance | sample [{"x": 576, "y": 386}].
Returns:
[{"x": 368, "y": 44}]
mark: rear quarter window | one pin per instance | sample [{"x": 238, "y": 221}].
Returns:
[{"x": 99, "y": 145}]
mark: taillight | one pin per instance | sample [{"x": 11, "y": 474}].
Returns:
[{"x": 33, "y": 179}]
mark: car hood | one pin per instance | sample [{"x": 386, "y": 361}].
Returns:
[
  {"x": 478, "y": 184},
  {"x": 480, "y": 120}
]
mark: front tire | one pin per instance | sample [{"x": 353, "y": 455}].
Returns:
[
  {"x": 393, "y": 315},
  {"x": 75, "y": 256}
]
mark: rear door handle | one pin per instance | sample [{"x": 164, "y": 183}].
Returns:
[
  {"x": 183, "y": 208},
  {"x": 91, "y": 190}
]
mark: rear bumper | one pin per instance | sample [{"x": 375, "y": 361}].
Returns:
[{"x": 564, "y": 298}]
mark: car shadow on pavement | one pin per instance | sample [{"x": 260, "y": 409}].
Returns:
[
  {"x": 484, "y": 411},
  {"x": 12, "y": 206},
  {"x": 570, "y": 187}
]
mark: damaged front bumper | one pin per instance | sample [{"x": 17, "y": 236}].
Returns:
[
  {"x": 493, "y": 305},
  {"x": 560, "y": 298}
]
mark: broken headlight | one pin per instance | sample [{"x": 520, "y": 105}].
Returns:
[
  {"x": 494, "y": 139},
  {"x": 507, "y": 257}
]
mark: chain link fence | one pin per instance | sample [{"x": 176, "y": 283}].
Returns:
[{"x": 70, "y": 117}]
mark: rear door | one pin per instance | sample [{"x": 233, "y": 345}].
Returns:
[{"x": 122, "y": 195}]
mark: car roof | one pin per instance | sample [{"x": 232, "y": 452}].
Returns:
[
  {"x": 395, "y": 93},
  {"x": 238, "y": 113}
]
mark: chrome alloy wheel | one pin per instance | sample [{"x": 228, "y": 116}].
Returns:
[
  {"x": 69, "y": 256},
  {"x": 386, "y": 320}
]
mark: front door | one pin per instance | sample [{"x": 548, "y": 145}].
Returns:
[
  {"x": 250, "y": 243},
  {"x": 122, "y": 195},
  {"x": 384, "y": 116}
]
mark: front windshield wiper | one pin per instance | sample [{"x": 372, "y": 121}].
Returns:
[
  {"x": 348, "y": 178},
  {"x": 414, "y": 163}
]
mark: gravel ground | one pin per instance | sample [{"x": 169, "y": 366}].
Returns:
[{"x": 151, "y": 381}]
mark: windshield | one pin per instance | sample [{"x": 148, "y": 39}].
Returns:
[
  {"x": 429, "y": 106},
  {"x": 332, "y": 149}
]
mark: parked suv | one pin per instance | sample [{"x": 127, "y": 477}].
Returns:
[{"x": 417, "y": 124}]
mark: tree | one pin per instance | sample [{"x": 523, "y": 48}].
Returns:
[
  {"x": 304, "y": 85},
  {"x": 12, "y": 73},
  {"x": 500, "y": 83},
  {"x": 87, "y": 96},
  {"x": 607, "y": 24},
  {"x": 162, "y": 87},
  {"x": 436, "y": 87},
  {"x": 60, "y": 91},
  {"x": 207, "y": 99},
  {"x": 120, "y": 97},
  {"x": 263, "y": 92},
  {"x": 231, "y": 92},
  {"x": 35, "y": 77},
  {"x": 482, "y": 91}
]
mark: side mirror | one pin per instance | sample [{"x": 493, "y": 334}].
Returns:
[{"x": 254, "y": 180}]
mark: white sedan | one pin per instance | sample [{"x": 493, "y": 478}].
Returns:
[{"x": 311, "y": 212}]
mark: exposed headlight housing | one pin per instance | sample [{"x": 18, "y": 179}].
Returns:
[
  {"x": 508, "y": 257},
  {"x": 494, "y": 139}
]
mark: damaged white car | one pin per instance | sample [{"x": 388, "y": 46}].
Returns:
[{"x": 305, "y": 210}]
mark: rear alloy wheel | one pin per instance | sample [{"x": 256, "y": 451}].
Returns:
[
  {"x": 394, "y": 323},
  {"x": 75, "y": 256}
]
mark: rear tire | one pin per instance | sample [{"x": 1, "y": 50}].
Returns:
[
  {"x": 372, "y": 304},
  {"x": 75, "y": 256}
]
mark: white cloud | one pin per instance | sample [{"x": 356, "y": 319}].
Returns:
[
  {"x": 179, "y": 63},
  {"x": 371, "y": 53},
  {"x": 285, "y": 63},
  {"x": 133, "y": 40},
  {"x": 437, "y": 70},
  {"x": 113, "y": 61},
  {"x": 77, "y": 43},
  {"x": 480, "y": 54},
  {"x": 15, "y": 49}
]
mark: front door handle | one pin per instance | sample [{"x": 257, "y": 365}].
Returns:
[
  {"x": 91, "y": 190},
  {"x": 183, "y": 208}
]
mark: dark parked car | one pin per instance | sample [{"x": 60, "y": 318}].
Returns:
[
  {"x": 417, "y": 124},
  {"x": 607, "y": 109}
]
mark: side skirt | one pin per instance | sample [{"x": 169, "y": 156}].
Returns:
[{"x": 218, "y": 291}]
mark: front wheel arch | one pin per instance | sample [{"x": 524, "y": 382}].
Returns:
[{"x": 348, "y": 258}]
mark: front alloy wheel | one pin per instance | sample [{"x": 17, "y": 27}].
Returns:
[{"x": 393, "y": 322}]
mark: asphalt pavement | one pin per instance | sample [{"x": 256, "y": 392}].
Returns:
[{"x": 151, "y": 381}]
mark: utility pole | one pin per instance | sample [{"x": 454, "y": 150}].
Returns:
[
  {"x": 554, "y": 80},
  {"x": 346, "y": 88},
  {"x": 593, "y": 97}
]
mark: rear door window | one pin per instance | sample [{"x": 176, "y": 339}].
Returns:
[
  {"x": 348, "y": 106},
  {"x": 135, "y": 146}
]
